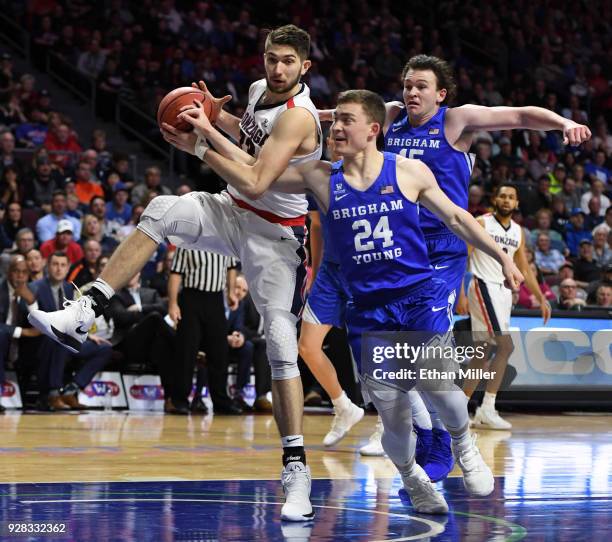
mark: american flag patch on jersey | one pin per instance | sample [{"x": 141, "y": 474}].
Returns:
[
  {"x": 387, "y": 189},
  {"x": 434, "y": 131}
]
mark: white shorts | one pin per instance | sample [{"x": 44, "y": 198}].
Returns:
[
  {"x": 272, "y": 255},
  {"x": 490, "y": 308}
]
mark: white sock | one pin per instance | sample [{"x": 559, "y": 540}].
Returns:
[
  {"x": 342, "y": 402},
  {"x": 292, "y": 440},
  {"x": 104, "y": 287},
  {"x": 489, "y": 400}
]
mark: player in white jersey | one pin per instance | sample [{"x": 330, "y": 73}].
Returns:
[
  {"x": 490, "y": 302},
  {"x": 264, "y": 231}
]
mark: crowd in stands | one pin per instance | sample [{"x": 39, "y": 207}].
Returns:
[{"x": 64, "y": 193}]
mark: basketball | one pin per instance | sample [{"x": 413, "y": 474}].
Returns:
[{"x": 171, "y": 104}]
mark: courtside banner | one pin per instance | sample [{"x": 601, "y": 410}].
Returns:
[
  {"x": 144, "y": 392},
  {"x": 105, "y": 389}
]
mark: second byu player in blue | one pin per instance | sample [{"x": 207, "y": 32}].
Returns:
[{"x": 371, "y": 201}]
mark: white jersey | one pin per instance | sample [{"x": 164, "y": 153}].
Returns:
[
  {"x": 255, "y": 127},
  {"x": 484, "y": 266}
]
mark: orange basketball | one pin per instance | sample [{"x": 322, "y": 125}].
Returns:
[{"x": 171, "y": 104}]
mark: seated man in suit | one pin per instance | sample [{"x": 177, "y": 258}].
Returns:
[
  {"x": 248, "y": 344},
  {"x": 141, "y": 333},
  {"x": 52, "y": 292},
  {"x": 16, "y": 334}
]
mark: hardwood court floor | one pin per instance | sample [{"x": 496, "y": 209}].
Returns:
[{"x": 216, "y": 478}]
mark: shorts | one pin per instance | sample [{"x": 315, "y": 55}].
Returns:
[
  {"x": 490, "y": 308},
  {"x": 272, "y": 255},
  {"x": 326, "y": 303},
  {"x": 428, "y": 308},
  {"x": 448, "y": 257}
]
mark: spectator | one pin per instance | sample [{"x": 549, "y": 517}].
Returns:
[
  {"x": 597, "y": 189},
  {"x": 585, "y": 267},
  {"x": 92, "y": 230},
  {"x": 141, "y": 333},
  {"x": 36, "y": 265},
  {"x": 92, "y": 61},
  {"x": 575, "y": 232},
  {"x": 11, "y": 186},
  {"x": 16, "y": 334},
  {"x": 568, "y": 299},
  {"x": 527, "y": 299},
  {"x": 253, "y": 331},
  {"x": 13, "y": 221},
  {"x": 124, "y": 231},
  {"x": 85, "y": 187},
  {"x": 97, "y": 207},
  {"x": 152, "y": 181},
  {"x": 569, "y": 195},
  {"x": 7, "y": 152},
  {"x": 607, "y": 223},
  {"x": 566, "y": 271},
  {"x": 63, "y": 243},
  {"x": 90, "y": 156},
  {"x": 85, "y": 270},
  {"x": 597, "y": 170},
  {"x": 604, "y": 279},
  {"x": 46, "y": 227},
  {"x": 560, "y": 217},
  {"x": 62, "y": 143},
  {"x": 602, "y": 253},
  {"x": 159, "y": 281},
  {"x": 547, "y": 259},
  {"x": 543, "y": 225},
  {"x": 32, "y": 133},
  {"x": 604, "y": 296},
  {"x": 541, "y": 164},
  {"x": 594, "y": 218},
  {"x": 119, "y": 210},
  {"x": 42, "y": 184},
  {"x": 52, "y": 293},
  {"x": 476, "y": 206}
]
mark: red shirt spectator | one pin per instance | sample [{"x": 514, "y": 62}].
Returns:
[
  {"x": 62, "y": 242},
  {"x": 62, "y": 140}
]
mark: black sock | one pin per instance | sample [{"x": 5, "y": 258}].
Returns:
[
  {"x": 99, "y": 301},
  {"x": 294, "y": 453}
]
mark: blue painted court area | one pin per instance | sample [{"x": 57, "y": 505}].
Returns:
[{"x": 347, "y": 510}]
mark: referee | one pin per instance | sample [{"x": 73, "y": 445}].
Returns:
[{"x": 199, "y": 312}]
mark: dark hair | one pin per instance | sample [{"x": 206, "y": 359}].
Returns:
[
  {"x": 58, "y": 254},
  {"x": 94, "y": 198},
  {"x": 59, "y": 193},
  {"x": 440, "y": 68},
  {"x": 292, "y": 36},
  {"x": 372, "y": 104},
  {"x": 507, "y": 185}
]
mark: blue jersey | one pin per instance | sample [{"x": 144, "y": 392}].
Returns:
[
  {"x": 329, "y": 253},
  {"x": 452, "y": 168},
  {"x": 377, "y": 236}
]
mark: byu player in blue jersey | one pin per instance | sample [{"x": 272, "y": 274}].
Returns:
[
  {"x": 423, "y": 127},
  {"x": 371, "y": 200}
]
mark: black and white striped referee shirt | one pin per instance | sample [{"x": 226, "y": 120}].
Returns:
[{"x": 205, "y": 271}]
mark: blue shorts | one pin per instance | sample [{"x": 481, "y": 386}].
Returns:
[
  {"x": 328, "y": 297},
  {"x": 448, "y": 257},
  {"x": 427, "y": 308}
]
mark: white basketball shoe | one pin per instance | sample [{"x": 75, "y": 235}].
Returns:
[
  {"x": 296, "y": 481},
  {"x": 489, "y": 418},
  {"x": 374, "y": 446},
  {"x": 477, "y": 476},
  {"x": 69, "y": 326},
  {"x": 423, "y": 495},
  {"x": 343, "y": 421}
]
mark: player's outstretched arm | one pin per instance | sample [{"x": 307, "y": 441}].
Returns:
[
  {"x": 477, "y": 117},
  {"x": 531, "y": 281},
  {"x": 291, "y": 129},
  {"x": 462, "y": 223}
]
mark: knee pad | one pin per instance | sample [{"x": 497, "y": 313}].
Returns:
[
  {"x": 173, "y": 218},
  {"x": 281, "y": 344}
]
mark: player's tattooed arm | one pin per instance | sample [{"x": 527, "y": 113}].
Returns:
[
  {"x": 477, "y": 117},
  {"x": 416, "y": 179}
]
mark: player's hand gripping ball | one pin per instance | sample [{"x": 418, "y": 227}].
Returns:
[{"x": 176, "y": 101}]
